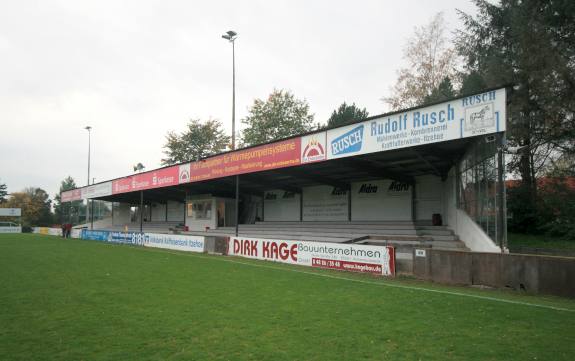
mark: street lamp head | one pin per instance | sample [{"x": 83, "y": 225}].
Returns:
[
  {"x": 230, "y": 35},
  {"x": 88, "y": 128}
]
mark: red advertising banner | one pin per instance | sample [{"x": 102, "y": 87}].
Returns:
[
  {"x": 155, "y": 179},
  {"x": 270, "y": 156},
  {"x": 72, "y": 195}
]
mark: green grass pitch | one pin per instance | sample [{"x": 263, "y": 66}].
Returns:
[{"x": 82, "y": 300}]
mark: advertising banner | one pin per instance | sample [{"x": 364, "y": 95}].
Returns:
[
  {"x": 184, "y": 173},
  {"x": 95, "y": 235},
  {"x": 265, "y": 157},
  {"x": 47, "y": 231},
  {"x": 175, "y": 241},
  {"x": 164, "y": 177},
  {"x": 71, "y": 195},
  {"x": 155, "y": 240},
  {"x": 378, "y": 260},
  {"x": 10, "y": 212},
  {"x": 313, "y": 148},
  {"x": 10, "y": 229},
  {"x": 466, "y": 117},
  {"x": 133, "y": 238},
  {"x": 270, "y": 156},
  {"x": 97, "y": 190}
]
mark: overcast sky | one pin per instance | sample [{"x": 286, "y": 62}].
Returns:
[{"x": 134, "y": 70}]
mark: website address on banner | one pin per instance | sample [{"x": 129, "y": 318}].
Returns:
[
  {"x": 282, "y": 163},
  {"x": 346, "y": 266}
]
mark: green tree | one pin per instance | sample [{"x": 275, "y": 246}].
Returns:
[
  {"x": 443, "y": 92},
  {"x": 346, "y": 114},
  {"x": 64, "y": 212},
  {"x": 3, "y": 192},
  {"x": 280, "y": 116},
  {"x": 528, "y": 44},
  {"x": 35, "y": 204},
  {"x": 201, "y": 139},
  {"x": 430, "y": 58}
]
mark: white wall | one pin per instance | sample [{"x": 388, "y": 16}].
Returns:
[
  {"x": 428, "y": 197},
  {"x": 202, "y": 224},
  {"x": 377, "y": 201},
  {"x": 321, "y": 203},
  {"x": 280, "y": 205},
  {"x": 468, "y": 231},
  {"x": 176, "y": 211},
  {"x": 158, "y": 212}
]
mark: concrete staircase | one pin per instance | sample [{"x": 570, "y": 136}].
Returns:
[{"x": 397, "y": 233}]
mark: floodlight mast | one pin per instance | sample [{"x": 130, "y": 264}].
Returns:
[
  {"x": 231, "y": 37},
  {"x": 88, "y": 128}
]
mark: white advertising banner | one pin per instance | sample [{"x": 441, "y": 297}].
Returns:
[
  {"x": 184, "y": 173},
  {"x": 175, "y": 242},
  {"x": 10, "y": 212},
  {"x": 48, "y": 231},
  {"x": 313, "y": 148},
  {"x": 10, "y": 229},
  {"x": 346, "y": 257},
  {"x": 461, "y": 118},
  {"x": 97, "y": 190}
]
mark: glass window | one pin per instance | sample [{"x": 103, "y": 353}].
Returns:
[{"x": 478, "y": 187}]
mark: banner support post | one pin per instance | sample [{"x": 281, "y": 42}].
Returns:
[
  {"x": 237, "y": 203},
  {"x": 141, "y": 211}
]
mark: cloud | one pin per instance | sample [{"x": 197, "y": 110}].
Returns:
[{"x": 136, "y": 69}]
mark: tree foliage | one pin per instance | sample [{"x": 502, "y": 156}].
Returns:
[
  {"x": 35, "y": 204},
  {"x": 280, "y": 116},
  {"x": 346, "y": 114},
  {"x": 3, "y": 192},
  {"x": 63, "y": 211},
  {"x": 443, "y": 92},
  {"x": 430, "y": 58},
  {"x": 199, "y": 140},
  {"x": 529, "y": 44}
]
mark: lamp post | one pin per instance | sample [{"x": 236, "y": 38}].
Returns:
[
  {"x": 231, "y": 37},
  {"x": 88, "y": 128}
]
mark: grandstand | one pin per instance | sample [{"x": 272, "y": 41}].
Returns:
[{"x": 427, "y": 177}]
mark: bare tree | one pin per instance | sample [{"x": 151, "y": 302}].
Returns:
[{"x": 431, "y": 59}]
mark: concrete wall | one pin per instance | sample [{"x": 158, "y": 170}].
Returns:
[
  {"x": 472, "y": 235},
  {"x": 176, "y": 211},
  {"x": 201, "y": 224},
  {"x": 158, "y": 212},
  {"x": 324, "y": 203},
  {"x": 380, "y": 200},
  {"x": 428, "y": 197},
  {"x": 280, "y": 205},
  {"x": 531, "y": 273},
  {"x": 468, "y": 231}
]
